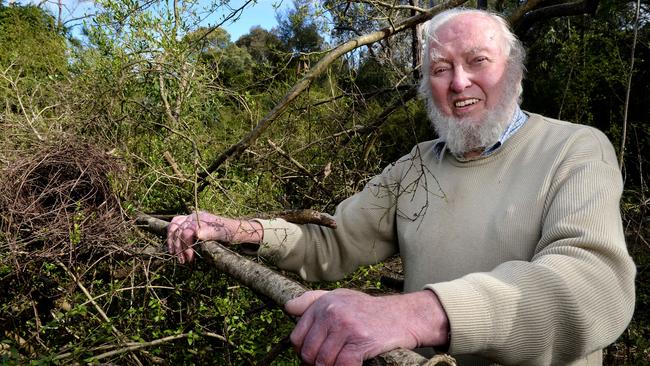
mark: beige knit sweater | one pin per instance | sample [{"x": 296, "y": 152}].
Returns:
[{"x": 524, "y": 248}]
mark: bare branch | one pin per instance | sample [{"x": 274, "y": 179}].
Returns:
[
  {"x": 172, "y": 163},
  {"x": 300, "y": 167},
  {"x": 309, "y": 77},
  {"x": 14, "y": 86},
  {"x": 522, "y": 20},
  {"x": 518, "y": 13},
  {"x": 393, "y": 6},
  {"x": 303, "y": 217},
  {"x": 101, "y": 312},
  {"x": 137, "y": 346},
  {"x": 629, "y": 84}
]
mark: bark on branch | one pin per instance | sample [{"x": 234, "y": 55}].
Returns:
[{"x": 280, "y": 289}]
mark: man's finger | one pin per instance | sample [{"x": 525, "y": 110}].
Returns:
[
  {"x": 330, "y": 349},
  {"x": 349, "y": 355},
  {"x": 298, "y": 305},
  {"x": 309, "y": 345},
  {"x": 188, "y": 254},
  {"x": 171, "y": 233}
]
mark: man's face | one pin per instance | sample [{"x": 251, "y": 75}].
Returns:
[
  {"x": 474, "y": 90},
  {"x": 468, "y": 68}
]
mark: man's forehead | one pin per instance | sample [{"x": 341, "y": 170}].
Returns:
[
  {"x": 482, "y": 22},
  {"x": 464, "y": 49},
  {"x": 466, "y": 36},
  {"x": 469, "y": 27}
]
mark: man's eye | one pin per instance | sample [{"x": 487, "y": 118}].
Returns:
[
  {"x": 480, "y": 59},
  {"x": 439, "y": 70}
]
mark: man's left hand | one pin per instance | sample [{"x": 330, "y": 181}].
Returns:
[{"x": 345, "y": 327}]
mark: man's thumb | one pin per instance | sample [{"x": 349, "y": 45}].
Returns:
[{"x": 298, "y": 305}]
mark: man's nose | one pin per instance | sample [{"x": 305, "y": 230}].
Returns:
[{"x": 461, "y": 80}]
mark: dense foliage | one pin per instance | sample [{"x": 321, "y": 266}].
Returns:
[{"x": 164, "y": 94}]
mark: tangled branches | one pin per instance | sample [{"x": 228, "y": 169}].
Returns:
[{"x": 58, "y": 204}]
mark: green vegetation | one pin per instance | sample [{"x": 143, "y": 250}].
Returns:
[{"x": 164, "y": 95}]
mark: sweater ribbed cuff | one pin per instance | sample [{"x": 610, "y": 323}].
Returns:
[{"x": 469, "y": 318}]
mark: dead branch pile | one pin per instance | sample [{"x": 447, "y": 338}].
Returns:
[{"x": 57, "y": 204}]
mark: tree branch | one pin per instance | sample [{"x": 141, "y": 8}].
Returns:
[
  {"x": 393, "y": 6},
  {"x": 273, "y": 285},
  {"x": 119, "y": 335},
  {"x": 309, "y": 77},
  {"x": 300, "y": 167},
  {"x": 526, "y": 20}
]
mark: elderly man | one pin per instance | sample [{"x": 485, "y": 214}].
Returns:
[{"x": 508, "y": 226}]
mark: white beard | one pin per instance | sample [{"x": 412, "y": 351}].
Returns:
[{"x": 463, "y": 135}]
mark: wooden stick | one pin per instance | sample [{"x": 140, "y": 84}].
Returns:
[{"x": 275, "y": 286}]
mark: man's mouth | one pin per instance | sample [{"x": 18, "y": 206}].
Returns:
[{"x": 465, "y": 102}]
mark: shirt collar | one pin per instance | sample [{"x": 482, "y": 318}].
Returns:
[{"x": 519, "y": 118}]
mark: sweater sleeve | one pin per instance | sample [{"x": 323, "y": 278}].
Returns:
[
  {"x": 365, "y": 234},
  {"x": 576, "y": 295}
]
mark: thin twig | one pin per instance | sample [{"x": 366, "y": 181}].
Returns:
[
  {"x": 137, "y": 346},
  {"x": 300, "y": 167},
  {"x": 172, "y": 163},
  {"x": 629, "y": 85},
  {"x": 14, "y": 86},
  {"x": 129, "y": 289},
  {"x": 101, "y": 312}
]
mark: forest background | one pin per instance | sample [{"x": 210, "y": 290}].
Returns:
[{"x": 154, "y": 111}]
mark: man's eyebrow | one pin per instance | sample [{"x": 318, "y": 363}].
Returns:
[
  {"x": 475, "y": 50},
  {"x": 435, "y": 56},
  {"x": 435, "y": 60}
]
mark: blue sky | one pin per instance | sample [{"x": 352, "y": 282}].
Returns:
[{"x": 260, "y": 12}]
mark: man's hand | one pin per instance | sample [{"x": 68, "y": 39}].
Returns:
[
  {"x": 345, "y": 327},
  {"x": 184, "y": 231}
]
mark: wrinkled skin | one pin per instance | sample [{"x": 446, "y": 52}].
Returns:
[
  {"x": 344, "y": 327},
  {"x": 184, "y": 231}
]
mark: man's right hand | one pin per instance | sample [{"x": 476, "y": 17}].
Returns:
[{"x": 184, "y": 231}]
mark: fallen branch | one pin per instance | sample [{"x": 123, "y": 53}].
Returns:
[
  {"x": 136, "y": 346},
  {"x": 273, "y": 285},
  {"x": 301, "y": 217}
]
